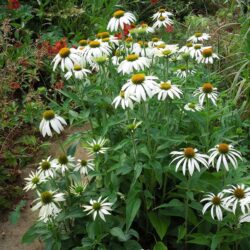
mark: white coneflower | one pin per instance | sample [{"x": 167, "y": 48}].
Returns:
[
  {"x": 224, "y": 154},
  {"x": 47, "y": 167},
  {"x": 83, "y": 165},
  {"x": 124, "y": 100},
  {"x": 133, "y": 62},
  {"x": 183, "y": 72},
  {"x": 141, "y": 86},
  {"x": 199, "y": 37},
  {"x": 141, "y": 48},
  {"x": 107, "y": 38},
  {"x": 207, "y": 56},
  {"x": 64, "y": 163},
  {"x": 33, "y": 180},
  {"x": 237, "y": 195},
  {"x": 166, "y": 89},
  {"x": 196, "y": 51},
  {"x": 98, "y": 208},
  {"x": 97, "y": 146},
  {"x": 207, "y": 91},
  {"x": 145, "y": 29},
  {"x": 98, "y": 63},
  {"x": 119, "y": 19},
  {"x": 51, "y": 120},
  {"x": 78, "y": 72},
  {"x": 67, "y": 57},
  {"x": 77, "y": 187},
  {"x": 244, "y": 218},
  {"x": 162, "y": 22},
  {"x": 48, "y": 203},
  {"x": 193, "y": 107},
  {"x": 155, "y": 41},
  {"x": 186, "y": 48},
  {"x": 161, "y": 12},
  {"x": 215, "y": 202},
  {"x": 189, "y": 159},
  {"x": 165, "y": 50},
  {"x": 95, "y": 49}
]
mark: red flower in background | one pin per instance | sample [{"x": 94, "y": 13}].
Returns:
[
  {"x": 53, "y": 49},
  {"x": 59, "y": 45},
  {"x": 154, "y": 1},
  {"x": 59, "y": 85},
  {"x": 13, "y": 4},
  {"x": 170, "y": 28},
  {"x": 15, "y": 85},
  {"x": 126, "y": 29}
]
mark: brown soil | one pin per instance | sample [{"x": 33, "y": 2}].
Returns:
[{"x": 11, "y": 235}]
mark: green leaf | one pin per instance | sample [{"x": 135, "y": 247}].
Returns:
[
  {"x": 160, "y": 223},
  {"x": 131, "y": 211},
  {"x": 181, "y": 232},
  {"x": 15, "y": 215},
  {"x": 72, "y": 149},
  {"x": 132, "y": 205},
  {"x": 30, "y": 235},
  {"x": 160, "y": 246},
  {"x": 117, "y": 232},
  {"x": 132, "y": 244}
]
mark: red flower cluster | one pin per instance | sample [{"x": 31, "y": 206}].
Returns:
[
  {"x": 13, "y": 4},
  {"x": 59, "y": 45},
  {"x": 126, "y": 29},
  {"x": 53, "y": 49},
  {"x": 154, "y": 1},
  {"x": 15, "y": 85},
  {"x": 170, "y": 28},
  {"x": 59, "y": 85}
]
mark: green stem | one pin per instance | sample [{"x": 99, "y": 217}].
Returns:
[
  {"x": 164, "y": 187},
  {"x": 186, "y": 214},
  {"x": 134, "y": 146}
]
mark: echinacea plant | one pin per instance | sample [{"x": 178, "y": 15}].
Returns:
[{"x": 146, "y": 107}]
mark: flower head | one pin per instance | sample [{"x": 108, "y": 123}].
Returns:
[
  {"x": 98, "y": 208},
  {"x": 97, "y": 146},
  {"x": 207, "y": 56},
  {"x": 120, "y": 19},
  {"x": 166, "y": 89},
  {"x": 199, "y": 37},
  {"x": 47, "y": 167},
  {"x": 140, "y": 86},
  {"x": 224, "y": 154},
  {"x": 237, "y": 196},
  {"x": 133, "y": 126},
  {"x": 207, "y": 91},
  {"x": 67, "y": 57},
  {"x": 183, "y": 72},
  {"x": 78, "y": 72},
  {"x": 83, "y": 165},
  {"x": 51, "y": 120},
  {"x": 193, "y": 107},
  {"x": 95, "y": 49},
  {"x": 48, "y": 203},
  {"x": 162, "y": 22},
  {"x": 215, "y": 202},
  {"x": 64, "y": 163},
  {"x": 77, "y": 188},
  {"x": 34, "y": 180},
  {"x": 124, "y": 100},
  {"x": 133, "y": 62},
  {"x": 190, "y": 160},
  {"x": 162, "y": 12}
]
